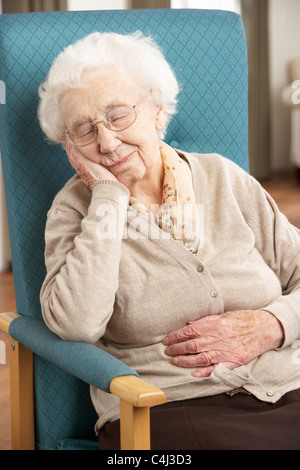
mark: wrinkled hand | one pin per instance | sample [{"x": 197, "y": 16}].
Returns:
[
  {"x": 88, "y": 170},
  {"x": 231, "y": 338}
]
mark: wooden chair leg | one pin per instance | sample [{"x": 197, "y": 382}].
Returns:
[
  {"x": 135, "y": 426},
  {"x": 21, "y": 396},
  {"x": 136, "y": 397}
]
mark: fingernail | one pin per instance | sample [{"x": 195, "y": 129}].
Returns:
[
  {"x": 196, "y": 374},
  {"x": 174, "y": 361}
]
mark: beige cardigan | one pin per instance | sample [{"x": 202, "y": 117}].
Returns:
[{"x": 126, "y": 293}]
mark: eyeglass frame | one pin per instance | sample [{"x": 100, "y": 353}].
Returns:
[{"x": 104, "y": 121}]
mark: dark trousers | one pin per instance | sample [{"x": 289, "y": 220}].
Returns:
[{"x": 239, "y": 422}]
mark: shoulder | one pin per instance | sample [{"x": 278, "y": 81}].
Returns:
[
  {"x": 73, "y": 197},
  {"x": 217, "y": 169},
  {"x": 213, "y": 173},
  {"x": 212, "y": 164}
]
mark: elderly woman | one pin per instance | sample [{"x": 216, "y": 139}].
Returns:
[{"x": 178, "y": 264}]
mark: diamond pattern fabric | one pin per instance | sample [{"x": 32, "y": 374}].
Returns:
[{"x": 207, "y": 50}]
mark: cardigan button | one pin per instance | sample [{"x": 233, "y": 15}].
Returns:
[
  {"x": 199, "y": 268},
  {"x": 213, "y": 294},
  {"x": 270, "y": 393}
]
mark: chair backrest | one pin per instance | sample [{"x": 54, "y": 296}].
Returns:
[{"x": 207, "y": 50}]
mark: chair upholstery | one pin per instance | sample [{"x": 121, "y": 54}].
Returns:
[{"x": 207, "y": 50}]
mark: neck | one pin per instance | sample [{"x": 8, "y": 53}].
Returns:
[{"x": 149, "y": 191}]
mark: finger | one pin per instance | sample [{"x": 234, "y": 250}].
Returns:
[
  {"x": 69, "y": 149},
  {"x": 207, "y": 318},
  {"x": 72, "y": 156},
  {"x": 207, "y": 358},
  {"x": 209, "y": 325},
  {"x": 206, "y": 371},
  {"x": 196, "y": 360},
  {"x": 191, "y": 346},
  {"x": 182, "y": 334},
  {"x": 80, "y": 163}
]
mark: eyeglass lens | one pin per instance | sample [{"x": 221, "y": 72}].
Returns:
[{"x": 117, "y": 119}]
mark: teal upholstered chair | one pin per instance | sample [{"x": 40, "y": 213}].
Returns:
[{"x": 207, "y": 50}]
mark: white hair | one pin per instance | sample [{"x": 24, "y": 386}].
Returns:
[{"x": 133, "y": 55}]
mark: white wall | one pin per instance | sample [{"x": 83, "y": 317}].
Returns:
[
  {"x": 284, "y": 40},
  {"x": 231, "y": 5},
  {"x": 76, "y": 5}
]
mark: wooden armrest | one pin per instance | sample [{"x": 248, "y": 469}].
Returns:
[
  {"x": 136, "y": 391},
  {"x": 136, "y": 397},
  {"x": 6, "y": 319}
]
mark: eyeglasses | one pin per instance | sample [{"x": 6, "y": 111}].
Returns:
[{"x": 117, "y": 119}]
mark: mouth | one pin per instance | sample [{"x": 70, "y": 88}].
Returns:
[{"x": 121, "y": 162}]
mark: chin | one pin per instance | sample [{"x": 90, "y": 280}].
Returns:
[{"x": 129, "y": 180}]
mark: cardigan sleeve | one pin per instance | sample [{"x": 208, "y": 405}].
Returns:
[
  {"x": 278, "y": 242},
  {"x": 82, "y": 257}
]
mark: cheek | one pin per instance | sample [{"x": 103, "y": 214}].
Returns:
[
  {"x": 143, "y": 131},
  {"x": 91, "y": 152},
  {"x": 146, "y": 141}
]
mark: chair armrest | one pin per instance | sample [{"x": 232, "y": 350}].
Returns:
[
  {"x": 136, "y": 391},
  {"x": 118, "y": 378},
  {"x": 85, "y": 361},
  {"x": 95, "y": 367},
  {"x": 6, "y": 319}
]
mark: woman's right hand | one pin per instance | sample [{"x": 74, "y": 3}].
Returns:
[{"x": 89, "y": 171}]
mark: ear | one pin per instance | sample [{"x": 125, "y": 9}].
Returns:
[{"x": 160, "y": 118}]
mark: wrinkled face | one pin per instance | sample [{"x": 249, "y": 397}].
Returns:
[{"x": 131, "y": 154}]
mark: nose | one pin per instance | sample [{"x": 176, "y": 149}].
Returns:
[{"x": 107, "y": 139}]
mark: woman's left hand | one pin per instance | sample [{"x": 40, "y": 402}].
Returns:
[{"x": 232, "y": 339}]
